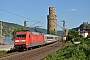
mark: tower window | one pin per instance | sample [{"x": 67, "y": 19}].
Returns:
[{"x": 54, "y": 29}]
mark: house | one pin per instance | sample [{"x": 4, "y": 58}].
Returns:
[{"x": 85, "y": 32}]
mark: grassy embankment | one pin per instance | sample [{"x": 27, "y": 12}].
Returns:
[{"x": 3, "y": 52}]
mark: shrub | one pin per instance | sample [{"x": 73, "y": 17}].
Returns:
[{"x": 70, "y": 51}]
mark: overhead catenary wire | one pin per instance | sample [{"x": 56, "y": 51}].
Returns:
[
  {"x": 35, "y": 23},
  {"x": 17, "y": 15},
  {"x": 23, "y": 16},
  {"x": 24, "y": 9},
  {"x": 20, "y": 16},
  {"x": 58, "y": 25}
]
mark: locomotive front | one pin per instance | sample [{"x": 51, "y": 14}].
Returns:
[{"x": 20, "y": 40}]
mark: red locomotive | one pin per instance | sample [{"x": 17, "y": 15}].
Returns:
[{"x": 27, "y": 39}]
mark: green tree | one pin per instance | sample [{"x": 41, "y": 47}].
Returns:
[
  {"x": 53, "y": 32},
  {"x": 72, "y": 34}
]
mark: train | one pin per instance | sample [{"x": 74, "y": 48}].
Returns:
[{"x": 26, "y": 39}]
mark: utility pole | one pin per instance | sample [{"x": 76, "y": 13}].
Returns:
[
  {"x": 1, "y": 29},
  {"x": 1, "y": 37},
  {"x": 25, "y": 24},
  {"x": 64, "y": 32},
  {"x": 63, "y": 27}
]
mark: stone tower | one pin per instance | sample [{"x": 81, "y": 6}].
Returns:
[{"x": 52, "y": 20}]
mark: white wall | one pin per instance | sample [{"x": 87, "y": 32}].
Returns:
[{"x": 85, "y": 34}]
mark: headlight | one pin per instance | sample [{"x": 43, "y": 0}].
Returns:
[
  {"x": 23, "y": 40},
  {"x": 16, "y": 40}
]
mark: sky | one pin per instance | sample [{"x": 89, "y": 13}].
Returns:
[{"x": 74, "y": 12}]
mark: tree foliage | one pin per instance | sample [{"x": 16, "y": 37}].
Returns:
[
  {"x": 53, "y": 32},
  {"x": 74, "y": 36},
  {"x": 73, "y": 33},
  {"x": 72, "y": 52}
]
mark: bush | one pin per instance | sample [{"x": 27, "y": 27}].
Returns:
[{"x": 72, "y": 52}]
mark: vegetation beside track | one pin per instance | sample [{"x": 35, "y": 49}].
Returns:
[
  {"x": 3, "y": 52},
  {"x": 71, "y": 51}
]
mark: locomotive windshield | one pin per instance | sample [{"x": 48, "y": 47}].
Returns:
[{"x": 21, "y": 36}]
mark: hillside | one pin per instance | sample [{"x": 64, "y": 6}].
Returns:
[{"x": 8, "y": 28}]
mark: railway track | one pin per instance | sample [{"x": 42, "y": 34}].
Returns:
[{"x": 35, "y": 54}]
